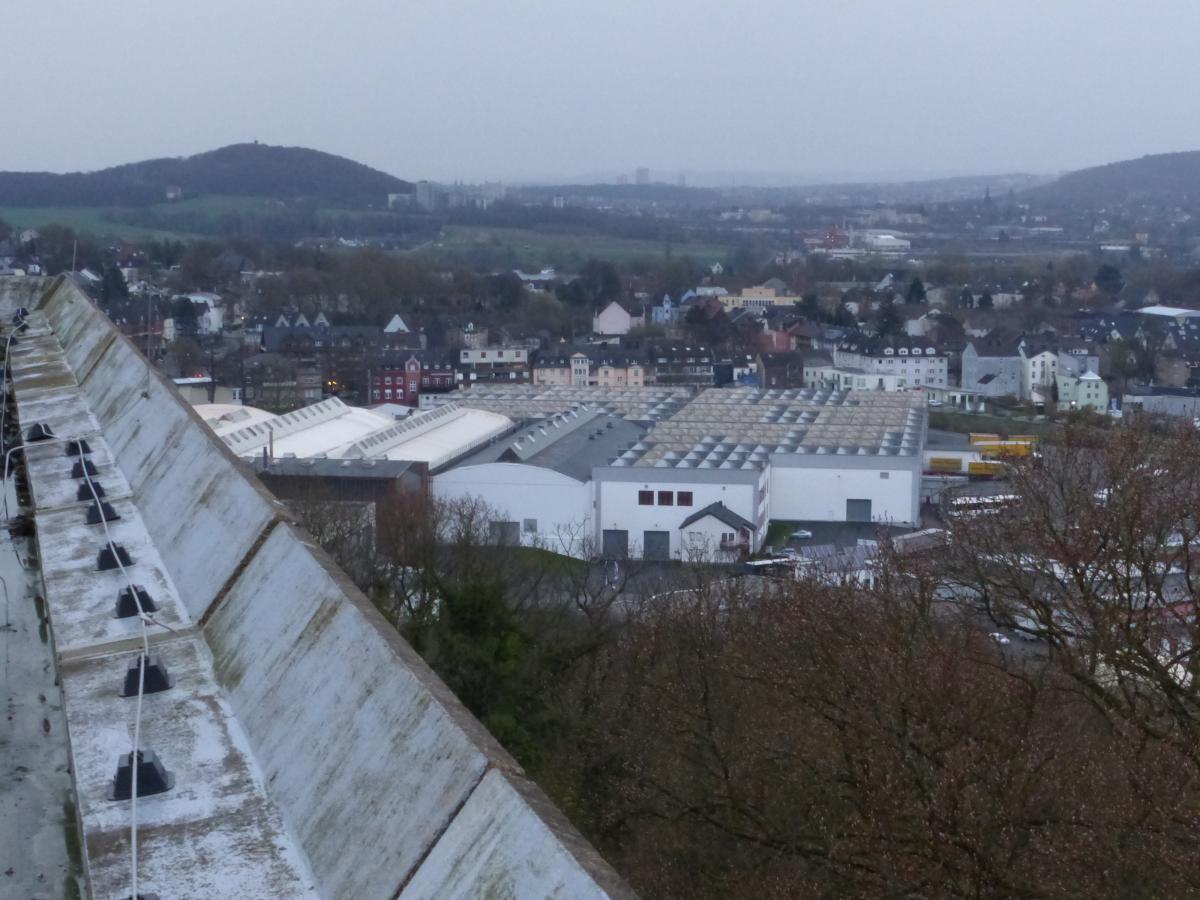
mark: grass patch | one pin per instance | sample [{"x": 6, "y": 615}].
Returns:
[
  {"x": 538, "y": 559},
  {"x": 778, "y": 533},
  {"x": 91, "y": 219},
  {"x": 539, "y": 248},
  {"x": 1004, "y": 426}
]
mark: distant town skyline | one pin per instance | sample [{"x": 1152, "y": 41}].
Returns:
[{"x": 547, "y": 91}]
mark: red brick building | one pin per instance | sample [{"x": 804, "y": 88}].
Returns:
[{"x": 403, "y": 377}]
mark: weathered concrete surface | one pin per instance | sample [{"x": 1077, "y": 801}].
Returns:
[
  {"x": 38, "y": 829},
  {"x": 499, "y": 846},
  {"x": 203, "y": 512},
  {"x": 217, "y": 833},
  {"x": 347, "y": 724},
  {"x": 384, "y": 783},
  {"x": 212, "y": 835}
]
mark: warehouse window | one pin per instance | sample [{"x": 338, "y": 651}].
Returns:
[
  {"x": 683, "y": 498},
  {"x": 666, "y": 498},
  {"x": 645, "y": 498}
]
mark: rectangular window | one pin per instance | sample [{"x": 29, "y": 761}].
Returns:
[
  {"x": 645, "y": 498},
  {"x": 666, "y": 498},
  {"x": 683, "y": 498},
  {"x": 388, "y": 394}
]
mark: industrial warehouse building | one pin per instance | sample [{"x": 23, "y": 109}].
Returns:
[
  {"x": 332, "y": 430},
  {"x": 660, "y": 474}
]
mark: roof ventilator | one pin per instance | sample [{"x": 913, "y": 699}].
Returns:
[
  {"x": 126, "y": 606},
  {"x": 39, "y": 431},
  {"x": 158, "y": 679},
  {"x": 112, "y": 556},
  {"x": 101, "y": 512},
  {"x": 152, "y": 778},
  {"x": 84, "y": 465},
  {"x": 78, "y": 447},
  {"x": 85, "y": 492}
]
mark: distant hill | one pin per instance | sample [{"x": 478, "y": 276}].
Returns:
[
  {"x": 1167, "y": 177},
  {"x": 248, "y": 170}
]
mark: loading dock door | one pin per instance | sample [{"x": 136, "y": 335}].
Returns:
[
  {"x": 656, "y": 545},
  {"x": 858, "y": 510},
  {"x": 615, "y": 544}
]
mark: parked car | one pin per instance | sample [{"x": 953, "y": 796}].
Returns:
[
  {"x": 801, "y": 534},
  {"x": 999, "y": 638}
]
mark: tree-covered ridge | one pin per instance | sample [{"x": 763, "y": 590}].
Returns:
[
  {"x": 1172, "y": 176},
  {"x": 251, "y": 170}
]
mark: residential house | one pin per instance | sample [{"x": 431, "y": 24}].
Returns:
[
  {"x": 781, "y": 370},
  {"x": 590, "y": 366},
  {"x": 1076, "y": 356},
  {"x": 614, "y": 319},
  {"x": 396, "y": 324},
  {"x": 509, "y": 365},
  {"x": 402, "y": 377},
  {"x": 1085, "y": 391},
  {"x": 912, "y": 362},
  {"x": 296, "y": 319},
  {"x": 666, "y": 312},
  {"x": 758, "y": 298},
  {"x": 715, "y": 533},
  {"x": 308, "y": 339},
  {"x": 1039, "y": 366},
  {"x": 993, "y": 366},
  {"x": 678, "y": 365}
]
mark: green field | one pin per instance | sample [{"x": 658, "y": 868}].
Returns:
[
  {"x": 538, "y": 248},
  {"x": 84, "y": 219},
  {"x": 97, "y": 220}
]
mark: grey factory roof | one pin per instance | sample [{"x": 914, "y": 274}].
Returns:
[
  {"x": 741, "y": 428},
  {"x": 947, "y": 440},
  {"x": 730, "y": 428},
  {"x": 572, "y": 443},
  {"x": 638, "y": 404},
  {"x": 381, "y": 469}
]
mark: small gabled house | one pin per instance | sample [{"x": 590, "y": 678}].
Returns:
[
  {"x": 614, "y": 319},
  {"x": 715, "y": 533}
]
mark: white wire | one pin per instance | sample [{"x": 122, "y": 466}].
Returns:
[
  {"x": 143, "y": 618},
  {"x": 142, "y": 664}
]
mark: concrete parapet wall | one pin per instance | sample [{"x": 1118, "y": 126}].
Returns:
[
  {"x": 389, "y": 786},
  {"x": 203, "y": 510}
]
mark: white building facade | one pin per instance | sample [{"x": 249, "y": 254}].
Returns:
[{"x": 911, "y": 363}]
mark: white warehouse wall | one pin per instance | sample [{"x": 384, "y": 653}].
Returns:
[
  {"x": 617, "y": 495},
  {"x": 561, "y": 505},
  {"x": 814, "y": 488}
]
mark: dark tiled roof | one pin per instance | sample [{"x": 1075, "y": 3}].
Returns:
[{"x": 721, "y": 513}]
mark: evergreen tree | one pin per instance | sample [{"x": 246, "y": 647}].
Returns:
[
  {"x": 889, "y": 323},
  {"x": 916, "y": 291},
  {"x": 113, "y": 286}
]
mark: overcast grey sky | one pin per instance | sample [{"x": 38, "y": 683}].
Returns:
[{"x": 543, "y": 88}]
